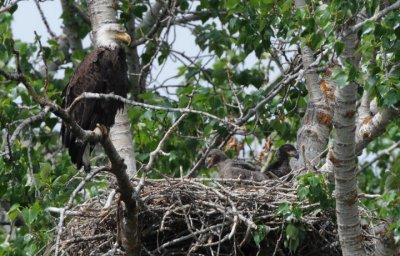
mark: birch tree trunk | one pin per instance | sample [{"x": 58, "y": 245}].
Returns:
[
  {"x": 103, "y": 12},
  {"x": 313, "y": 135},
  {"x": 343, "y": 159}
]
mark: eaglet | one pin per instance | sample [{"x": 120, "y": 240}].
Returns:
[
  {"x": 233, "y": 169},
  {"x": 281, "y": 166}
]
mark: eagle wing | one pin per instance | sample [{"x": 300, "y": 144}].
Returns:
[
  {"x": 102, "y": 71},
  {"x": 231, "y": 169}
]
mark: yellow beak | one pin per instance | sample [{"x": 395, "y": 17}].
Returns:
[{"x": 123, "y": 37}]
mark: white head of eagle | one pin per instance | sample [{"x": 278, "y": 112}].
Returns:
[
  {"x": 110, "y": 35},
  {"x": 103, "y": 70}
]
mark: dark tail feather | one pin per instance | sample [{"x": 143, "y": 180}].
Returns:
[{"x": 77, "y": 152}]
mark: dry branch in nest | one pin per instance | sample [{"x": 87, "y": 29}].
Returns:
[{"x": 204, "y": 217}]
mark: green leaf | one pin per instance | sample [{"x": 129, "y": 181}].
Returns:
[
  {"x": 14, "y": 212},
  {"x": 291, "y": 231},
  {"x": 231, "y": 4},
  {"x": 339, "y": 47},
  {"x": 340, "y": 78},
  {"x": 302, "y": 193},
  {"x": 392, "y": 97},
  {"x": 368, "y": 27},
  {"x": 259, "y": 235},
  {"x": 30, "y": 214}
]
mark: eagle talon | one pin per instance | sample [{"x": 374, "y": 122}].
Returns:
[{"x": 102, "y": 129}]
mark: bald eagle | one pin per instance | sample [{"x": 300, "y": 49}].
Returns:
[
  {"x": 281, "y": 166},
  {"x": 104, "y": 70},
  {"x": 233, "y": 169}
]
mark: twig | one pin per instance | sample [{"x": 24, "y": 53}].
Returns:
[
  {"x": 234, "y": 211},
  {"x": 9, "y": 6},
  {"x": 46, "y": 69},
  {"x": 278, "y": 241},
  {"x": 110, "y": 198},
  {"x": 157, "y": 151},
  {"x": 376, "y": 17},
  {"x": 87, "y": 238},
  {"x": 31, "y": 175},
  {"x": 46, "y": 24},
  {"x": 88, "y": 177},
  {"x": 89, "y": 95},
  {"x": 71, "y": 212},
  {"x": 235, "y": 96},
  {"x": 183, "y": 238},
  {"x": 22, "y": 125},
  {"x": 59, "y": 230},
  {"x": 379, "y": 156}
]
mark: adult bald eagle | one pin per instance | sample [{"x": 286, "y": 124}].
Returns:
[
  {"x": 104, "y": 70},
  {"x": 233, "y": 169}
]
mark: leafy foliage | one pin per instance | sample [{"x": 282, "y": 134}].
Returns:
[
  {"x": 314, "y": 188},
  {"x": 243, "y": 39},
  {"x": 294, "y": 230}
]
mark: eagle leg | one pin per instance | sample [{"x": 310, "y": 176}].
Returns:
[{"x": 86, "y": 158}]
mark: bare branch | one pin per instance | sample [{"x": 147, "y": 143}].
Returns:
[
  {"x": 25, "y": 123},
  {"x": 373, "y": 128},
  {"x": 376, "y": 17},
  {"x": 46, "y": 24},
  {"x": 157, "y": 151},
  {"x": 9, "y": 6},
  {"x": 89, "y": 95},
  {"x": 379, "y": 156},
  {"x": 68, "y": 206}
]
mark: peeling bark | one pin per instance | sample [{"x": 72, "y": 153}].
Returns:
[
  {"x": 343, "y": 158},
  {"x": 103, "y": 12},
  {"x": 373, "y": 127},
  {"x": 122, "y": 138},
  {"x": 317, "y": 122}
]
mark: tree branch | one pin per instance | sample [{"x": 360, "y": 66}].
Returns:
[
  {"x": 9, "y": 6},
  {"x": 89, "y": 95},
  {"x": 376, "y": 17},
  {"x": 374, "y": 127},
  {"x": 379, "y": 156}
]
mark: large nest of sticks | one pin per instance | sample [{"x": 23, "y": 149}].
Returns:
[{"x": 204, "y": 217}]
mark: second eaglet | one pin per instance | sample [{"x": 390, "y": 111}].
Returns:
[{"x": 233, "y": 169}]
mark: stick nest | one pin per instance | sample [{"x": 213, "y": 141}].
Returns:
[{"x": 204, "y": 217}]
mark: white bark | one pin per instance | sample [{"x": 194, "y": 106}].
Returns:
[
  {"x": 152, "y": 15},
  {"x": 343, "y": 160},
  {"x": 122, "y": 139},
  {"x": 374, "y": 127},
  {"x": 363, "y": 110},
  {"x": 103, "y": 12},
  {"x": 317, "y": 122}
]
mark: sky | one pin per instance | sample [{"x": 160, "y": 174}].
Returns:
[{"x": 27, "y": 20}]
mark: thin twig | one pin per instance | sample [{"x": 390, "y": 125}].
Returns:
[
  {"x": 46, "y": 24},
  {"x": 157, "y": 151},
  {"x": 379, "y": 156},
  {"x": 89, "y": 95}
]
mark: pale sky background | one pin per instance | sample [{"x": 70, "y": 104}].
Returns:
[{"x": 27, "y": 19}]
